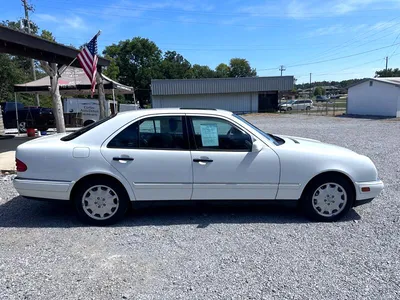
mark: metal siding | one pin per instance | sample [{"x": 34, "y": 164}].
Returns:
[
  {"x": 254, "y": 102},
  {"x": 380, "y": 99},
  {"x": 241, "y": 102},
  {"x": 221, "y": 85}
]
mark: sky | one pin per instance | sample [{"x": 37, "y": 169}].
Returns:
[{"x": 332, "y": 39}]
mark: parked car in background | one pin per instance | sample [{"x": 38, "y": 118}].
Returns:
[
  {"x": 36, "y": 117},
  {"x": 322, "y": 99},
  {"x": 296, "y": 105},
  {"x": 190, "y": 154}
]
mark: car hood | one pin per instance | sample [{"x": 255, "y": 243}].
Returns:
[{"x": 311, "y": 145}]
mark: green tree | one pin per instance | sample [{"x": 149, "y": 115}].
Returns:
[
  {"x": 174, "y": 66},
  {"x": 319, "y": 91},
  {"x": 47, "y": 35},
  {"x": 10, "y": 73},
  {"x": 112, "y": 71},
  {"x": 222, "y": 71},
  {"x": 240, "y": 67},
  {"x": 138, "y": 61},
  {"x": 198, "y": 71},
  {"x": 388, "y": 73}
]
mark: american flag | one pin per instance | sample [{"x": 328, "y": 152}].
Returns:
[{"x": 88, "y": 60}]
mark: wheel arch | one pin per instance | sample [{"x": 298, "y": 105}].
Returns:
[
  {"x": 326, "y": 174},
  {"x": 93, "y": 176}
]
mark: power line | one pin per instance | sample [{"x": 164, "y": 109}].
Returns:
[
  {"x": 353, "y": 40},
  {"x": 337, "y": 58}
]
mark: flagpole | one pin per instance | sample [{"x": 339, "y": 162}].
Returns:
[{"x": 60, "y": 73}]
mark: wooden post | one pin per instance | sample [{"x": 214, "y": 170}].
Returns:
[
  {"x": 102, "y": 95},
  {"x": 56, "y": 97},
  {"x": 1, "y": 125}
]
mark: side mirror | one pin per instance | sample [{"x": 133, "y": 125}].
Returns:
[{"x": 257, "y": 145}]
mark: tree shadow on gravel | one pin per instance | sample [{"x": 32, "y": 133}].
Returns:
[{"x": 22, "y": 212}]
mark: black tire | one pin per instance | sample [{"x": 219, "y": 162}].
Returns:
[
  {"x": 308, "y": 108},
  {"x": 118, "y": 190},
  {"x": 288, "y": 109},
  {"x": 308, "y": 203},
  {"x": 22, "y": 127}
]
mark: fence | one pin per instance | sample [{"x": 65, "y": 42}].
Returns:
[{"x": 332, "y": 107}]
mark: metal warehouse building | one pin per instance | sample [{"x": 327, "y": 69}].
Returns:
[
  {"x": 248, "y": 94},
  {"x": 375, "y": 97}
]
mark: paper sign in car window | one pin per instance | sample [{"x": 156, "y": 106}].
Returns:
[{"x": 209, "y": 135}]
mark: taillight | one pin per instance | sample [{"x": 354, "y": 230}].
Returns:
[{"x": 21, "y": 167}]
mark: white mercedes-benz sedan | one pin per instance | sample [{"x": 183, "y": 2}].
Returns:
[{"x": 190, "y": 154}]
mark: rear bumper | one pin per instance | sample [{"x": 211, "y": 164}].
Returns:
[
  {"x": 375, "y": 187},
  {"x": 45, "y": 189}
]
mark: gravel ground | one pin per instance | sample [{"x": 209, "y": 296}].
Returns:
[{"x": 214, "y": 253}]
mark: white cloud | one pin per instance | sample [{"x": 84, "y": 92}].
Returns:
[
  {"x": 188, "y": 5},
  {"x": 75, "y": 22},
  {"x": 66, "y": 23},
  {"x": 301, "y": 9},
  {"x": 46, "y": 18},
  {"x": 389, "y": 27}
]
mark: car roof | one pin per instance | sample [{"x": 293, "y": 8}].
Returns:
[{"x": 154, "y": 111}]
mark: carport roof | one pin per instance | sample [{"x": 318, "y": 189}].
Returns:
[
  {"x": 20, "y": 43},
  {"x": 73, "y": 81}
]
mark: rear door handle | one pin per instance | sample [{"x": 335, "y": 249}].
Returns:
[
  {"x": 122, "y": 158},
  {"x": 202, "y": 160}
]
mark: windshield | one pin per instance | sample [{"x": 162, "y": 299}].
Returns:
[
  {"x": 290, "y": 101},
  {"x": 272, "y": 138},
  {"x": 85, "y": 129}
]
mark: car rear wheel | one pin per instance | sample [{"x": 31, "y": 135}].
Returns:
[
  {"x": 308, "y": 108},
  {"x": 328, "y": 198},
  {"x": 22, "y": 127},
  {"x": 101, "y": 202}
]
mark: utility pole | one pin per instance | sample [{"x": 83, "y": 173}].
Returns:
[
  {"x": 282, "y": 68},
  {"x": 387, "y": 58},
  {"x": 310, "y": 87},
  {"x": 28, "y": 8}
]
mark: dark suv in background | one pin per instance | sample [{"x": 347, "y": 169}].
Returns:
[{"x": 35, "y": 117}]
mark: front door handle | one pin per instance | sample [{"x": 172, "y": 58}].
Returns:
[
  {"x": 202, "y": 160},
  {"x": 123, "y": 158}
]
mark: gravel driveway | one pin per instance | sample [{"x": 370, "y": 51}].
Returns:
[{"x": 215, "y": 253}]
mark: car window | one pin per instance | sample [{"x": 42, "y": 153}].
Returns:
[
  {"x": 166, "y": 132},
  {"x": 85, "y": 129},
  {"x": 216, "y": 134},
  {"x": 300, "y": 102}
]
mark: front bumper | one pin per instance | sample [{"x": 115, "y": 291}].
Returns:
[
  {"x": 46, "y": 189},
  {"x": 375, "y": 187}
]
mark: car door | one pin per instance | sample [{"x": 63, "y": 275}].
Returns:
[
  {"x": 224, "y": 167},
  {"x": 153, "y": 155}
]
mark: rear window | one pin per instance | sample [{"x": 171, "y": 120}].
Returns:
[{"x": 85, "y": 129}]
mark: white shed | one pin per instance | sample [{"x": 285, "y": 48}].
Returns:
[{"x": 375, "y": 97}]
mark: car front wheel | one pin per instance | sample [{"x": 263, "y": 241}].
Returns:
[
  {"x": 328, "y": 198},
  {"x": 288, "y": 109},
  {"x": 101, "y": 202}
]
